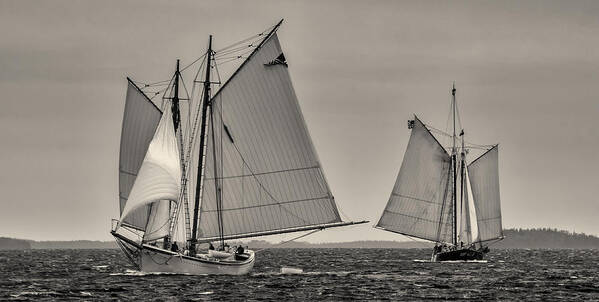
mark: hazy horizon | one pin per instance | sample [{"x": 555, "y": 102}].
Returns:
[{"x": 526, "y": 74}]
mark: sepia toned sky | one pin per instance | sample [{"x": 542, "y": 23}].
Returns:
[{"x": 527, "y": 74}]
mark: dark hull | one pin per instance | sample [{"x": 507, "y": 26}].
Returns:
[{"x": 457, "y": 255}]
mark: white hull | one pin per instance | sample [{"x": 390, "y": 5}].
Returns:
[
  {"x": 154, "y": 261},
  {"x": 151, "y": 259}
]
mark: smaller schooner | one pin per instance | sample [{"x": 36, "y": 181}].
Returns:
[
  {"x": 439, "y": 197},
  {"x": 242, "y": 155}
]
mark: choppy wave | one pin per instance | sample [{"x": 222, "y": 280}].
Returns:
[{"x": 335, "y": 274}]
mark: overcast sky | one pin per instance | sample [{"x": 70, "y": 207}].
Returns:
[{"x": 527, "y": 74}]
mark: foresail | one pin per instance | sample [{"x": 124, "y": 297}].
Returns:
[
  {"x": 418, "y": 205},
  {"x": 465, "y": 234},
  {"x": 260, "y": 152},
  {"x": 158, "y": 220},
  {"x": 484, "y": 181},
  {"x": 140, "y": 120},
  {"x": 159, "y": 177}
]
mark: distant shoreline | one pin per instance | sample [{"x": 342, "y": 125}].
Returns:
[{"x": 544, "y": 238}]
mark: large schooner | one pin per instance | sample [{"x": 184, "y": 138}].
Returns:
[
  {"x": 234, "y": 164},
  {"x": 439, "y": 197}
]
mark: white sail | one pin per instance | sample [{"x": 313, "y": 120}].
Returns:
[
  {"x": 158, "y": 220},
  {"x": 261, "y": 155},
  {"x": 484, "y": 181},
  {"x": 465, "y": 234},
  {"x": 419, "y": 205},
  {"x": 159, "y": 177},
  {"x": 140, "y": 120}
]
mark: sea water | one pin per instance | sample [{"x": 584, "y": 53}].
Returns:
[{"x": 328, "y": 274}]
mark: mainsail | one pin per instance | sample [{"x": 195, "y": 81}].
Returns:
[
  {"x": 418, "y": 205},
  {"x": 140, "y": 120},
  {"x": 159, "y": 177},
  {"x": 484, "y": 181},
  {"x": 259, "y": 156}
]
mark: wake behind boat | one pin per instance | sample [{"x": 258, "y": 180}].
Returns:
[
  {"x": 431, "y": 182},
  {"x": 207, "y": 168}
]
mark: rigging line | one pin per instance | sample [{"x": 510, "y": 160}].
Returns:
[
  {"x": 469, "y": 144},
  {"x": 290, "y": 240},
  {"x": 419, "y": 242},
  {"x": 185, "y": 88},
  {"x": 458, "y": 115},
  {"x": 238, "y": 54},
  {"x": 449, "y": 115},
  {"x": 247, "y": 39},
  {"x": 265, "y": 173},
  {"x": 268, "y": 205},
  {"x": 195, "y": 78},
  {"x": 194, "y": 61},
  {"x": 234, "y": 50},
  {"x": 219, "y": 81},
  {"x": 150, "y": 84},
  {"x": 260, "y": 183},
  {"x": 479, "y": 145},
  {"x": 438, "y": 130},
  {"x": 229, "y": 61},
  {"x": 191, "y": 143},
  {"x": 166, "y": 89}
]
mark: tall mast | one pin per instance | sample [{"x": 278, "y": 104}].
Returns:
[
  {"x": 175, "y": 102},
  {"x": 453, "y": 156},
  {"x": 205, "y": 104},
  {"x": 463, "y": 189}
]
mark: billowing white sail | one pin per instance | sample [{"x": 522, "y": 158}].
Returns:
[
  {"x": 420, "y": 205},
  {"x": 261, "y": 156},
  {"x": 159, "y": 177},
  {"x": 484, "y": 181},
  {"x": 140, "y": 120}
]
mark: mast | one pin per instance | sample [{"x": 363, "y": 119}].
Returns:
[
  {"x": 453, "y": 156},
  {"x": 175, "y": 103},
  {"x": 463, "y": 189},
  {"x": 205, "y": 104}
]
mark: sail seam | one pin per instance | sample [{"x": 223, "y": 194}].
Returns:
[
  {"x": 264, "y": 173},
  {"x": 414, "y": 198},
  {"x": 411, "y": 216},
  {"x": 268, "y": 205}
]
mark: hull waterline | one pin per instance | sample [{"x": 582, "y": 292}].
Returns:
[
  {"x": 151, "y": 259},
  {"x": 459, "y": 255}
]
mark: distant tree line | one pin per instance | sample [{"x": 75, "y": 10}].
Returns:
[
  {"x": 537, "y": 238},
  {"x": 547, "y": 238}
]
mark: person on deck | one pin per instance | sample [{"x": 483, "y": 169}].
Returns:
[
  {"x": 240, "y": 250},
  {"x": 211, "y": 247},
  {"x": 175, "y": 247}
]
